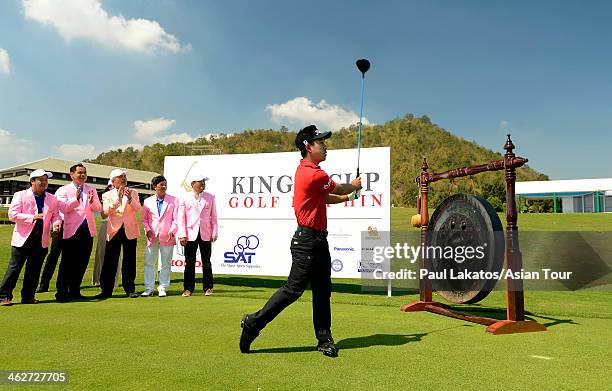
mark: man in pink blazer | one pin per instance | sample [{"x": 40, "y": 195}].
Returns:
[
  {"x": 197, "y": 228},
  {"x": 35, "y": 214},
  {"x": 159, "y": 213},
  {"x": 81, "y": 201},
  {"x": 120, "y": 205}
]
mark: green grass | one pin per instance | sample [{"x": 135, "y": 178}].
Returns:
[
  {"x": 527, "y": 222},
  {"x": 192, "y": 343}
]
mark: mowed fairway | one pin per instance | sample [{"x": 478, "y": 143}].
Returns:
[{"x": 181, "y": 343}]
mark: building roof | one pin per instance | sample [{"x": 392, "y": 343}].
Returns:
[
  {"x": 93, "y": 170},
  {"x": 53, "y": 181},
  {"x": 569, "y": 187}
]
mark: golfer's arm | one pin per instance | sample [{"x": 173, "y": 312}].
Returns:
[
  {"x": 343, "y": 189},
  {"x": 335, "y": 198}
]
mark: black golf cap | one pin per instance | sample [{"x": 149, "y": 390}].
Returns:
[{"x": 310, "y": 134}]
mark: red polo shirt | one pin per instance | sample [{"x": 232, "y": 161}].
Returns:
[{"x": 311, "y": 184}]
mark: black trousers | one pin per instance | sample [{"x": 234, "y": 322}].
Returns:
[
  {"x": 311, "y": 262},
  {"x": 51, "y": 262},
  {"x": 190, "y": 260},
  {"x": 111, "y": 260},
  {"x": 32, "y": 255},
  {"x": 75, "y": 257}
]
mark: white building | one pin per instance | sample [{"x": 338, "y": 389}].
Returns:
[
  {"x": 570, "y": 196},
  {"x": 17, "y": 178}
]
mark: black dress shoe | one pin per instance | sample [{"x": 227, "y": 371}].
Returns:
[
  {"x": 249, "y": 333},
  {"x": 328, "y": 348},
  {"x": 78, "y": 297},
  {"x": 29, "y": 301},
  {"x": 132, "y": 295},
  {"x": 102, "y": 296}
]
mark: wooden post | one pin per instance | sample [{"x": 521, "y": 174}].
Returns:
[
  {"x": 424, "y": 283},
  {"x": 512, "y": 257}
]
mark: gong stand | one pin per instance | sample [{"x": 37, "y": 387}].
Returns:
[{"x": 515, "y": 308}]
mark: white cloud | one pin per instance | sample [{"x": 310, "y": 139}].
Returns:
[
  {"x": 146, "y": 133},
  {"x": 88, "y": 20},
  {"x": 76, "y": 151},
  {"x": 5, "y": 62},
  {"x": 146, "y": 130},
  {"x": 175, "y": 138},
  {"x": 88, "y": 151},
  {"x": 14, "y": 150},
  {"x": 303, "y": 111},
  {"x": 8, "y": 139},
  {"x": 504, "y": 125}
]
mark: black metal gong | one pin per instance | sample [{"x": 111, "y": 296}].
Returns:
[{"x": 464, "y": 221}]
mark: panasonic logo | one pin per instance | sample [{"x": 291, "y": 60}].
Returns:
[{"x": 344, "y": 249}]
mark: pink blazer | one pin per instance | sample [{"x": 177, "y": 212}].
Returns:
[
  {"x": 121, "y": 213},
  {"x": 75, "y": 211},
  {"x": 162, "y": 225},
  {"x": 194, "y": 218},
  {"x": 22, "y": 211}
]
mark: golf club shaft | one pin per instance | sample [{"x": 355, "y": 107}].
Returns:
[{"x": 360, "y": 124}]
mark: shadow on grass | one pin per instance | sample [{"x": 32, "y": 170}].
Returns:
[
  {"x": 555, "y": 321},
  {"x": 237, "y": 290},
  {"x": 379, "y": 340},
  {"x": 275, "y": 283},
  {"x": 500, "y": 313},
  {"x": 363, "y": 342},
  {"x": 339, "y": 287},
  {"x": 354, "y": 343}
]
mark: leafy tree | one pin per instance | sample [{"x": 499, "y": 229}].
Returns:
[{"x": 410, "y": 138}]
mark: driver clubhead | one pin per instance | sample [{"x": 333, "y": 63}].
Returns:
[{"x": 363, "y": 65}]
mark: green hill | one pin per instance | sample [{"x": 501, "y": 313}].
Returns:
[{"x": 410, "y": 139}]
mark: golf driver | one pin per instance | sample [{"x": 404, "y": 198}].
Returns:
[{"x": 363, "y": 65}]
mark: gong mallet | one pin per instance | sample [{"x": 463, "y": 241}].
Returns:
[{"x": 363, "y": 65}]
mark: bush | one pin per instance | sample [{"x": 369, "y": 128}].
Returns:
[{"x": 496, "y": 203}]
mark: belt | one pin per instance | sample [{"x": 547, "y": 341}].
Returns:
[{"x": 315, "y": 232}]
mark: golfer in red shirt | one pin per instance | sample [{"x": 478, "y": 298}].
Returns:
[{"x": 311, "y": 262}]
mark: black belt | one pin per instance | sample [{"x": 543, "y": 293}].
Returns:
[{"x": 315, "y": 232}]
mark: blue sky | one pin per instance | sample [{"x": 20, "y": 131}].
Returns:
[{"x": 79, "y": 77}]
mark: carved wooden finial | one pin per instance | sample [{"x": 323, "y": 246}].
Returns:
[
  {"x": 509, "y": 146},
  {"x": 424, "y": 166}
]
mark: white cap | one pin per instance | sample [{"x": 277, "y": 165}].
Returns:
[
  {"x": 39, "y": 172},
  {"x": 115, "y": 173},
  {"x": 195, "y": 177}
]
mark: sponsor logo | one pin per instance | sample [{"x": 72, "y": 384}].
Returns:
[
  {"x": 351, "y": 249},
  {"x": 336, "y": 265},
  {"x": 181, "y": 263},
  {"x": 328, "y": 184},
  {"x": 366, "y": 268},
  {"x": 243, "y": 251},
  {"x": 373, "y": 232}
]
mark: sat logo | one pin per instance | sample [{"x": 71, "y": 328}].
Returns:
[{"x": 243, "y": 250}]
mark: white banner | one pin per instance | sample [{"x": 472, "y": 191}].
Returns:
[{"x": 254, "y": 194}]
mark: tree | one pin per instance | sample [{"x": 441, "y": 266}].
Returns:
[{"x": 410, "y": 139}]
